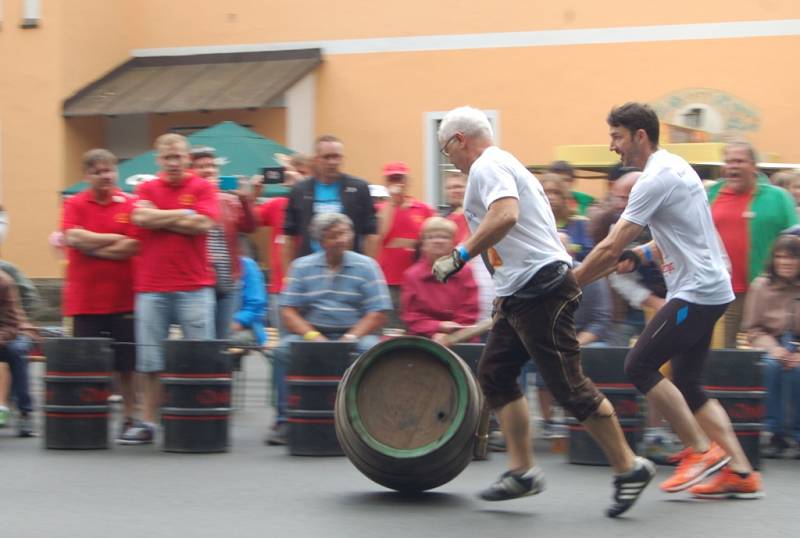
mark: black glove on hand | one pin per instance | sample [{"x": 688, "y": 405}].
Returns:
[{"x": 632, "y": 256}]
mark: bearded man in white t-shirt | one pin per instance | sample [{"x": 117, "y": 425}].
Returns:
[
  {"x": 669, "y": 197},
  {"x": 513, "y": 228}
]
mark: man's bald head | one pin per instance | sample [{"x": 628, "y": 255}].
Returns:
[{"x": 622, "y": 189}]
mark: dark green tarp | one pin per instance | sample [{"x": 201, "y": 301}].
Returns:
[{"x": 240, "y": 150}]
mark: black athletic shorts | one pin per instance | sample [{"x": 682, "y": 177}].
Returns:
[{"x": 681, "y": 333}]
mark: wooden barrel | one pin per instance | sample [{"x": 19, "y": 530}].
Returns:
[
  {"x": 471, "y": 354},
  {"x": 735, "y": 378},
  {"x": 77, "y": 387},
  {"x": 196, "y": 402},
  {"x": 315, "y": 370},
  {"x": 605, "y": 366},
  {"x": 406, "y": 414}
]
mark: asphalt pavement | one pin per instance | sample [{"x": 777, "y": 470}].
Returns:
[{"x": 259, "y": 491}]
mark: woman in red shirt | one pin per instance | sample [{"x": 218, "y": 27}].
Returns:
[{"x": 430, "y": 308}]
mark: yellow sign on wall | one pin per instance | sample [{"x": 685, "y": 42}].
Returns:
[{"x": 705, "y": 115}]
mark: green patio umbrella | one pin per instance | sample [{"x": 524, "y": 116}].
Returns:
[{"x": 240, "y": 151}]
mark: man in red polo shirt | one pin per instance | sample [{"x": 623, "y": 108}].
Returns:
[
  {"x": 399, "y": 223},
  {"x": 174, "y": 282},
  {"x": 98, "y": 290}
]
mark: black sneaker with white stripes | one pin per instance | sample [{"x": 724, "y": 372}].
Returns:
[
  {"x": 629, "y": 486},
  {"x": 514, "y": 484}
]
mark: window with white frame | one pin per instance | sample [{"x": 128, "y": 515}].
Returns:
[
  {"x": 31, "y": 13},
  {"x": 436, "y": 164}
]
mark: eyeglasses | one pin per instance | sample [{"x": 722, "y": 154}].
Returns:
[
  {"x": 442, "y": 236},
  {"x": 444, "y": 148}
]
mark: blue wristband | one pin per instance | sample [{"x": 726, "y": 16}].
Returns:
[
  {"x": 189, "y": 211},
  {"x": 648, "y": 253},
  {"x": 462, "y": 253}
]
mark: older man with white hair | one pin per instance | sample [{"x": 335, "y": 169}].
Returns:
[
  {"x": 514, "y": 230},
  {"x": 333, "y": 294}
]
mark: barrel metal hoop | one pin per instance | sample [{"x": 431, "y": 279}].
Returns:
[
  {"x": 60, "y": 373},
  {"x": 195, "y": 417},
  {"x": 213, "y": 375},
  {"x": 193, "y": 411},
  {"x": 77, "y": 408},
  {"x": 359, "y": 368},
  {"x": 309, "y": 420},
  {"x": 331, "y": 384},
  {"x": 616, "y": 390},
  {"x": 77, "y": 416},
  {"x": 313, "y": 379},
  {"x": 735, "y": 393},
  {"x": 76, "y": 379},
  {"x": 310, "y": 413},
  {"x": 195, "y": 382},
  {"x": 747, "y": 429},
  {"x": 735, "y": 388}
]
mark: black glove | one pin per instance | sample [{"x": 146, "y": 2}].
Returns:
[{"x": 632, "y": 256}]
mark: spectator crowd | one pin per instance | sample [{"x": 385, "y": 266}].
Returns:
[{"x": 348, "y": 261}]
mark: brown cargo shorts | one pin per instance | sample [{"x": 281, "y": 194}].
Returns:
[{"x": 541, "y": 328}]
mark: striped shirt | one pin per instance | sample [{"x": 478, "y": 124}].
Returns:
[{"x": 341, "y": 298}]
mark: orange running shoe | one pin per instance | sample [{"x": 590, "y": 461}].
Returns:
[
  {"x": 694, "y": 468},
  {"x": 729, "y": 485},
  {"x": 676, "y": 458}
]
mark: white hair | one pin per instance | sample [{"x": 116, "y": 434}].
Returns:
[
  {"x": 322, "y": 221},
  {"x": 467, "y": 120}
]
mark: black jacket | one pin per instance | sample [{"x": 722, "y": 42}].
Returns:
[{"x": 356, "y": 204}]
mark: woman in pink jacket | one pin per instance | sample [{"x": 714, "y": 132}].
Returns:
[{"x": 430, "y": 308}]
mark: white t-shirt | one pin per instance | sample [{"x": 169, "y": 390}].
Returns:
[
  {"x": 669, "y": 197},
  {"x": 533, "y": 242}
]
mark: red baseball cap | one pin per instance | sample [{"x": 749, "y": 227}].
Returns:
[{"x": 396, "y": 168}]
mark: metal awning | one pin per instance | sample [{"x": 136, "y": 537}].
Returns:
[{"x": 160, "y": 84}]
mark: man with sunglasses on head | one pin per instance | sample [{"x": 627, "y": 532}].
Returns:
[{"x": 514, "y": 229}]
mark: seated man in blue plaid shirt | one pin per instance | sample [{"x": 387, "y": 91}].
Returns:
[{"x": 332, "y": 294}]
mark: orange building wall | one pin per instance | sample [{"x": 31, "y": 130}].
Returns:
[
  {"x": 81, "y": 135},
  {"x": 31, "y": 138},
  {"x": 255, "y": 21},
  {"x": 95, "y": 39}
]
